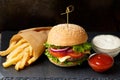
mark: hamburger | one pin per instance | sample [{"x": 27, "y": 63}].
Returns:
[{"x": 67, "y": 45}]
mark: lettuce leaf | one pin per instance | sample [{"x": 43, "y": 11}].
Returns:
[
  {"x": 82, "y": 47},
  {"x": 55, "y": 59}
]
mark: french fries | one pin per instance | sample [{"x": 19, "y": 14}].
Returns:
[
  {"x": 19, "y": 53},
  {"x": 25, "y": 47}
]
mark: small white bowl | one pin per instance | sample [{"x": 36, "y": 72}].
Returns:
[{"x": 100, "y": 46}]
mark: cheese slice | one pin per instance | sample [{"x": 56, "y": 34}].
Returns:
[{"x": 63, "y": 58}]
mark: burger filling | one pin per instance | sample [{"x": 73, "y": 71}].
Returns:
[{"x": 68, "y": 54}]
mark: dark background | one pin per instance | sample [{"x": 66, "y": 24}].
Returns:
[{"x": 93, "y": 15}]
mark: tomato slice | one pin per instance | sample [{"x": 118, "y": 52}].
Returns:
[
  {"x": 75, "y": 55},
  {"x": 58, "y": 54}
]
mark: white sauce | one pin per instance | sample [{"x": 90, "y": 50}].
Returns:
[{"x": 106, "y": 41}]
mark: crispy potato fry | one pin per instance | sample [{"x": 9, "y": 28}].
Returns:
[
  {"x": 12, "y": 47},
  {"x": 17, "y": 50},
  {"x": 30, "y": 51},
  {"x": 4, "y": 53},
  {"x": 31, "y": 60},
  {"x": 13, "y": 60},
  {"x": 19, "y": 57},
  {"x": 17, "y": 65},
  {"x": 24, "y": 61}
]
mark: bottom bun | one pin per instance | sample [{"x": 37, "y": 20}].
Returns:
[{"x": 63, "y": 64}]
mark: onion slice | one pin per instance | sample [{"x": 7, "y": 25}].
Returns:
[
  {"x": 63, "y": 49},
  {"x": 70, "y": 50}
]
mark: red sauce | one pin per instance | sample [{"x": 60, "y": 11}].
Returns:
[{"x": 101, "y": 62}]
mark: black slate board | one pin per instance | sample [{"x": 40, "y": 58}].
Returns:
[{"x": 42, "y": 69}]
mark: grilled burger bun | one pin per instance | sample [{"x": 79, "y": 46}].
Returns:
[{"x": 67, "y": 45}]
